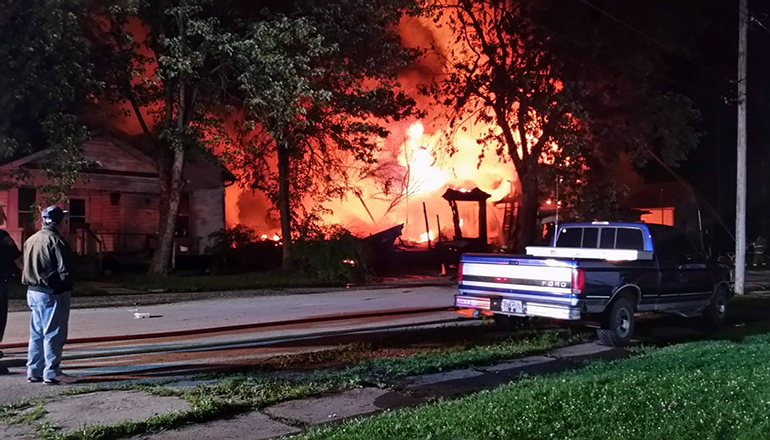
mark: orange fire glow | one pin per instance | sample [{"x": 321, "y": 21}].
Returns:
[{"x": 417, "y": 151}]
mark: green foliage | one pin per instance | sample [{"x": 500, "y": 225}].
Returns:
[
  {"x": 231, "y": 246},
  {"x": 47, "y": 82},
  {"x": 230, "y": 238},
  {"x": 333, "y": 255}
]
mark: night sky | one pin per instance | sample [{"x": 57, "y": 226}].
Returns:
[{"x": 704, "y": 79}]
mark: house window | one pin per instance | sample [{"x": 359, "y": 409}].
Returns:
[
  {"x": 114, "y": 199},
  {"x": 26, "y": 208},
  {"x": 183, "y": 218},
  {"x": 660, "y": 216},
  {"x": 77, "y": 214}
]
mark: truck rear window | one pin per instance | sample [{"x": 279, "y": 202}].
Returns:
[
  {"x": 587, "y": 238},
  {"x": 570, "y": 238},
  {"x": 608, "y": 238},
  {"x": 602, "y": 238},
  {"x": 590, "y": 238},
  {"x": 629, "y": 238}
]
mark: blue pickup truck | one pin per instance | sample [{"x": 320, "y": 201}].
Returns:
[{"x": 602, "y": 272}]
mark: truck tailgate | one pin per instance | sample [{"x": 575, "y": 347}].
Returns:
[{"x": 520, "y": 286}]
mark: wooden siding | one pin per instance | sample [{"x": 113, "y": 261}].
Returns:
[{"x": 114, "y": 158}]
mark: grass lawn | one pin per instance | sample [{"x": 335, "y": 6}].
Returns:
[
  {"x": 700, "y": 390},
  {"x": 380, "y": 370}
]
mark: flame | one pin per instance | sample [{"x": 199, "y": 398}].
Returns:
[
  {"x": 424, "y": 176},
  {"x": 425, "y": 236},
  {"x": 426, "y": 156}
]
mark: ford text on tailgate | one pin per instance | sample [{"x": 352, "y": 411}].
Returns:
[{"x": 605, "y": 272}]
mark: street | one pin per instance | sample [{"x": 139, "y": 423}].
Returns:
[{"x": 162, "y": 356}]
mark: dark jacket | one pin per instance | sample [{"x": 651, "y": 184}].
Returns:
[
  {"x": 47, "y": 262},
  {"x": 9, "y": 253}
]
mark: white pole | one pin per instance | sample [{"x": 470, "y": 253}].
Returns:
[
  {"x": 740, "y": 205},
  {"x": 556, "y": 225}
]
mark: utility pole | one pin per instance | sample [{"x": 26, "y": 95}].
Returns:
[{"x": 740, "y": 204}]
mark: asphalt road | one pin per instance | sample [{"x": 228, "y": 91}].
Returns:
[{"x": 170, "y": 357}]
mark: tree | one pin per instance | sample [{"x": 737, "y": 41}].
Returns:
[
  {"x": 168, "y": 62},
  {"x": 318, "y": 86},
  {"x": 516, "y": 70},
  {"x": 46, "y": 82}
]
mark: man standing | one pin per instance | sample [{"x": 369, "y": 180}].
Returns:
[
  {"x": 9, "y": 254},
  {"x": 759, "y": 252},
  {"x": 47, "y": 265}
]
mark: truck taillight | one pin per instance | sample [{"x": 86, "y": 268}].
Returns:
[
  {"x": 460, "y": 272},
  {"x": 578, "y": 281}
]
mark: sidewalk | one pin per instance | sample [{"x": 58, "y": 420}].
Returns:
[
  {"x": 758, "y": 281},
  {"x": 110, "y": 408}
]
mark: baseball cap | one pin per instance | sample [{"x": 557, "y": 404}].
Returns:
[{"x": 53, "y": 215}]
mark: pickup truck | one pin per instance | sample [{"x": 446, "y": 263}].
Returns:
[{"x": 602, "y": 272}]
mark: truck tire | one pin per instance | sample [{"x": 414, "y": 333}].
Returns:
[
  {"x": 617, "y": 326},
  {"x": 714, "y": 313},
  {"x": 509, "y": 323}
]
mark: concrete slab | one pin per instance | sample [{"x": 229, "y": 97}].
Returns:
[
  {"x": 580, "y": 350},
  {"x": 447, "y": 376},
  {"x": 17, "y": 432},
  {"x": 254, "y": 426},
  {"x": 109, "y": 408},
  {"x": 329, "y": 408},
  {"x": 517, "y": 364}
]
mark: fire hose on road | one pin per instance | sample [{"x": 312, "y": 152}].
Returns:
[{"x": 237, "y": 343}]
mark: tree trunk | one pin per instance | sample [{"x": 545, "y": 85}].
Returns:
[
  {"x": 170, "y": 194},
  {"x": 284, "y": 206},
  {"x": 526, "y": 219}
]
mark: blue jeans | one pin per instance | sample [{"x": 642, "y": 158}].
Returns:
[
  {"x": 3, "y": 307},
  {"x": 48, "y": 326}
]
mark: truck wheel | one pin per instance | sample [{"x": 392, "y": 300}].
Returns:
[
  {"x": 509, "y": 323},
  {"x": 714, "y": 314},
  {"x": 618, "y": 324}
]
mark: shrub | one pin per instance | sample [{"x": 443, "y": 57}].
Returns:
[
  {"x": 333, "y": 255},
  {"x": 239, "y": 249}
]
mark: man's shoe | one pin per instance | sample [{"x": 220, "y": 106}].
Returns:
[
  {"x": 3, "y": 371},
  {"x": 1, "y": 354},
  {"x": 61, "y": 379},
  {"x": 34, "y": 379}
]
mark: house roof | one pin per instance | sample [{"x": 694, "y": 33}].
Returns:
[
  {"x": 129, "y": 160},
  {"x": 474, "y": 195}
]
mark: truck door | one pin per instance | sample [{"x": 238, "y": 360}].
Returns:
[{"x": 683, "y": 273}]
